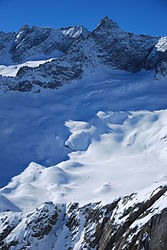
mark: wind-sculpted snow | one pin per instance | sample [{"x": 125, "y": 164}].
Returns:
[
  {"x": 123, "y": 148},
  {"x": 32, "y": 124}
]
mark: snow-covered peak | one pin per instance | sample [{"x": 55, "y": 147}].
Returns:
[
  {"x": 162, "y": 44},
  {"x": 30, "y": 174},
  {"x": 158, "y": 57},
  {"x": 108, "y": 44}
]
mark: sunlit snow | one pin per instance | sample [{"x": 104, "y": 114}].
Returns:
[
  {"x": 103, "y": 136},
  {"x": 13, "y": 69}
]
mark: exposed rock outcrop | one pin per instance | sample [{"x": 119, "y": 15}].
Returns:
[
  {"x": 80, "y": 52},
  {"x": 37, "y": 43},
  {"x": 137, "y": 221}
]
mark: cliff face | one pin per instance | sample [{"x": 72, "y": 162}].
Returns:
[
  {"x": 137, "y": 221},
  {"x": 37, "y": 43},
  {"x": 80, "y": 52}
]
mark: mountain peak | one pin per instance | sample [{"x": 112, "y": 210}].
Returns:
[
  {"x": 22, "y": 33},
  {"x": 105, "y": 19},
  {"x": 108, "y": 26},
  {"x": 23, "y": 30},
  {"x": 109, "y": 22}
]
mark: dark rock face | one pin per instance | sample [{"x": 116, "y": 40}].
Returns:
[
  {"x": 37, "y": 225},
  {"x": 133, "y": 222},
  {"x": 38, "y": 43},
  {"x": 42, "y": 220},
  {"x": 117, "y": 239},
  {"x": 50, "y": 75},
  {"x": 153, "y": 235},
  {"x": 119, "y": 49},
  {"x": 6, "y": 41},
  {"x": 161, "y": 69},
  {"x": 8, "y": 222}
]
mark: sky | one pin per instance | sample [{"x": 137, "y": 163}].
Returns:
[{"x": 138, "y": 16}]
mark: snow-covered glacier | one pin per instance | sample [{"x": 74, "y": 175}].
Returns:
[{"x": 89, "y": 152}]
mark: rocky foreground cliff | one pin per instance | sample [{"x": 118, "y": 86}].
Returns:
[{"x": 137, "y": 221}]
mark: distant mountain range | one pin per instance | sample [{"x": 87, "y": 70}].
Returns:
[{"x": 76, "y": 52}]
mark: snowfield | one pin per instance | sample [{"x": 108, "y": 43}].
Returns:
[
  {"x": 12, "y": 70},
  {"x": 96, "y": 139}
]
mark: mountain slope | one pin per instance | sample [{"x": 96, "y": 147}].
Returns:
[
  {"x": 37, "y": 43},
  {"x": 137, "y": 221},
  {"x": 99, "y": 142},
  {"x": 107, "y": 45},
  {"x": 32, "y": 124}
]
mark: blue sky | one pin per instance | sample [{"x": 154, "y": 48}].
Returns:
[{"x": 138, "y": 16}]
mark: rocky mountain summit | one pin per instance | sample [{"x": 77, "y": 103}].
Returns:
[
  {"x": 37, "y": 43},
  {"x": 78, "y": 53}
]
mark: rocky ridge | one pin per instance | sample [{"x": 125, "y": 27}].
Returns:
[
  {"x": 35, "y": 43},
  {"x": 107, "y": 45},
  {"x": 137, "y": 221}
]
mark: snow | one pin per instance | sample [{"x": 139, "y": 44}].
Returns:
[
  {"x": 114, "y": 147},
  {"x": 36, "y": 44},
  {"x": 75, "y": 31},
  {"x": 96, "y": 139},
  {"x": 7, "y": 205},
  {"x": 82, "y": 133},
  {"x": 162, "y": 44},
  {"x": 13, "y": 69}
]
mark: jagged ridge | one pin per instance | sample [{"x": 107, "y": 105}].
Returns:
[
  {"x": 37, "y": 43},
  {"x": 133, "y": 222},
  {"x": 107, "y": 45}
]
